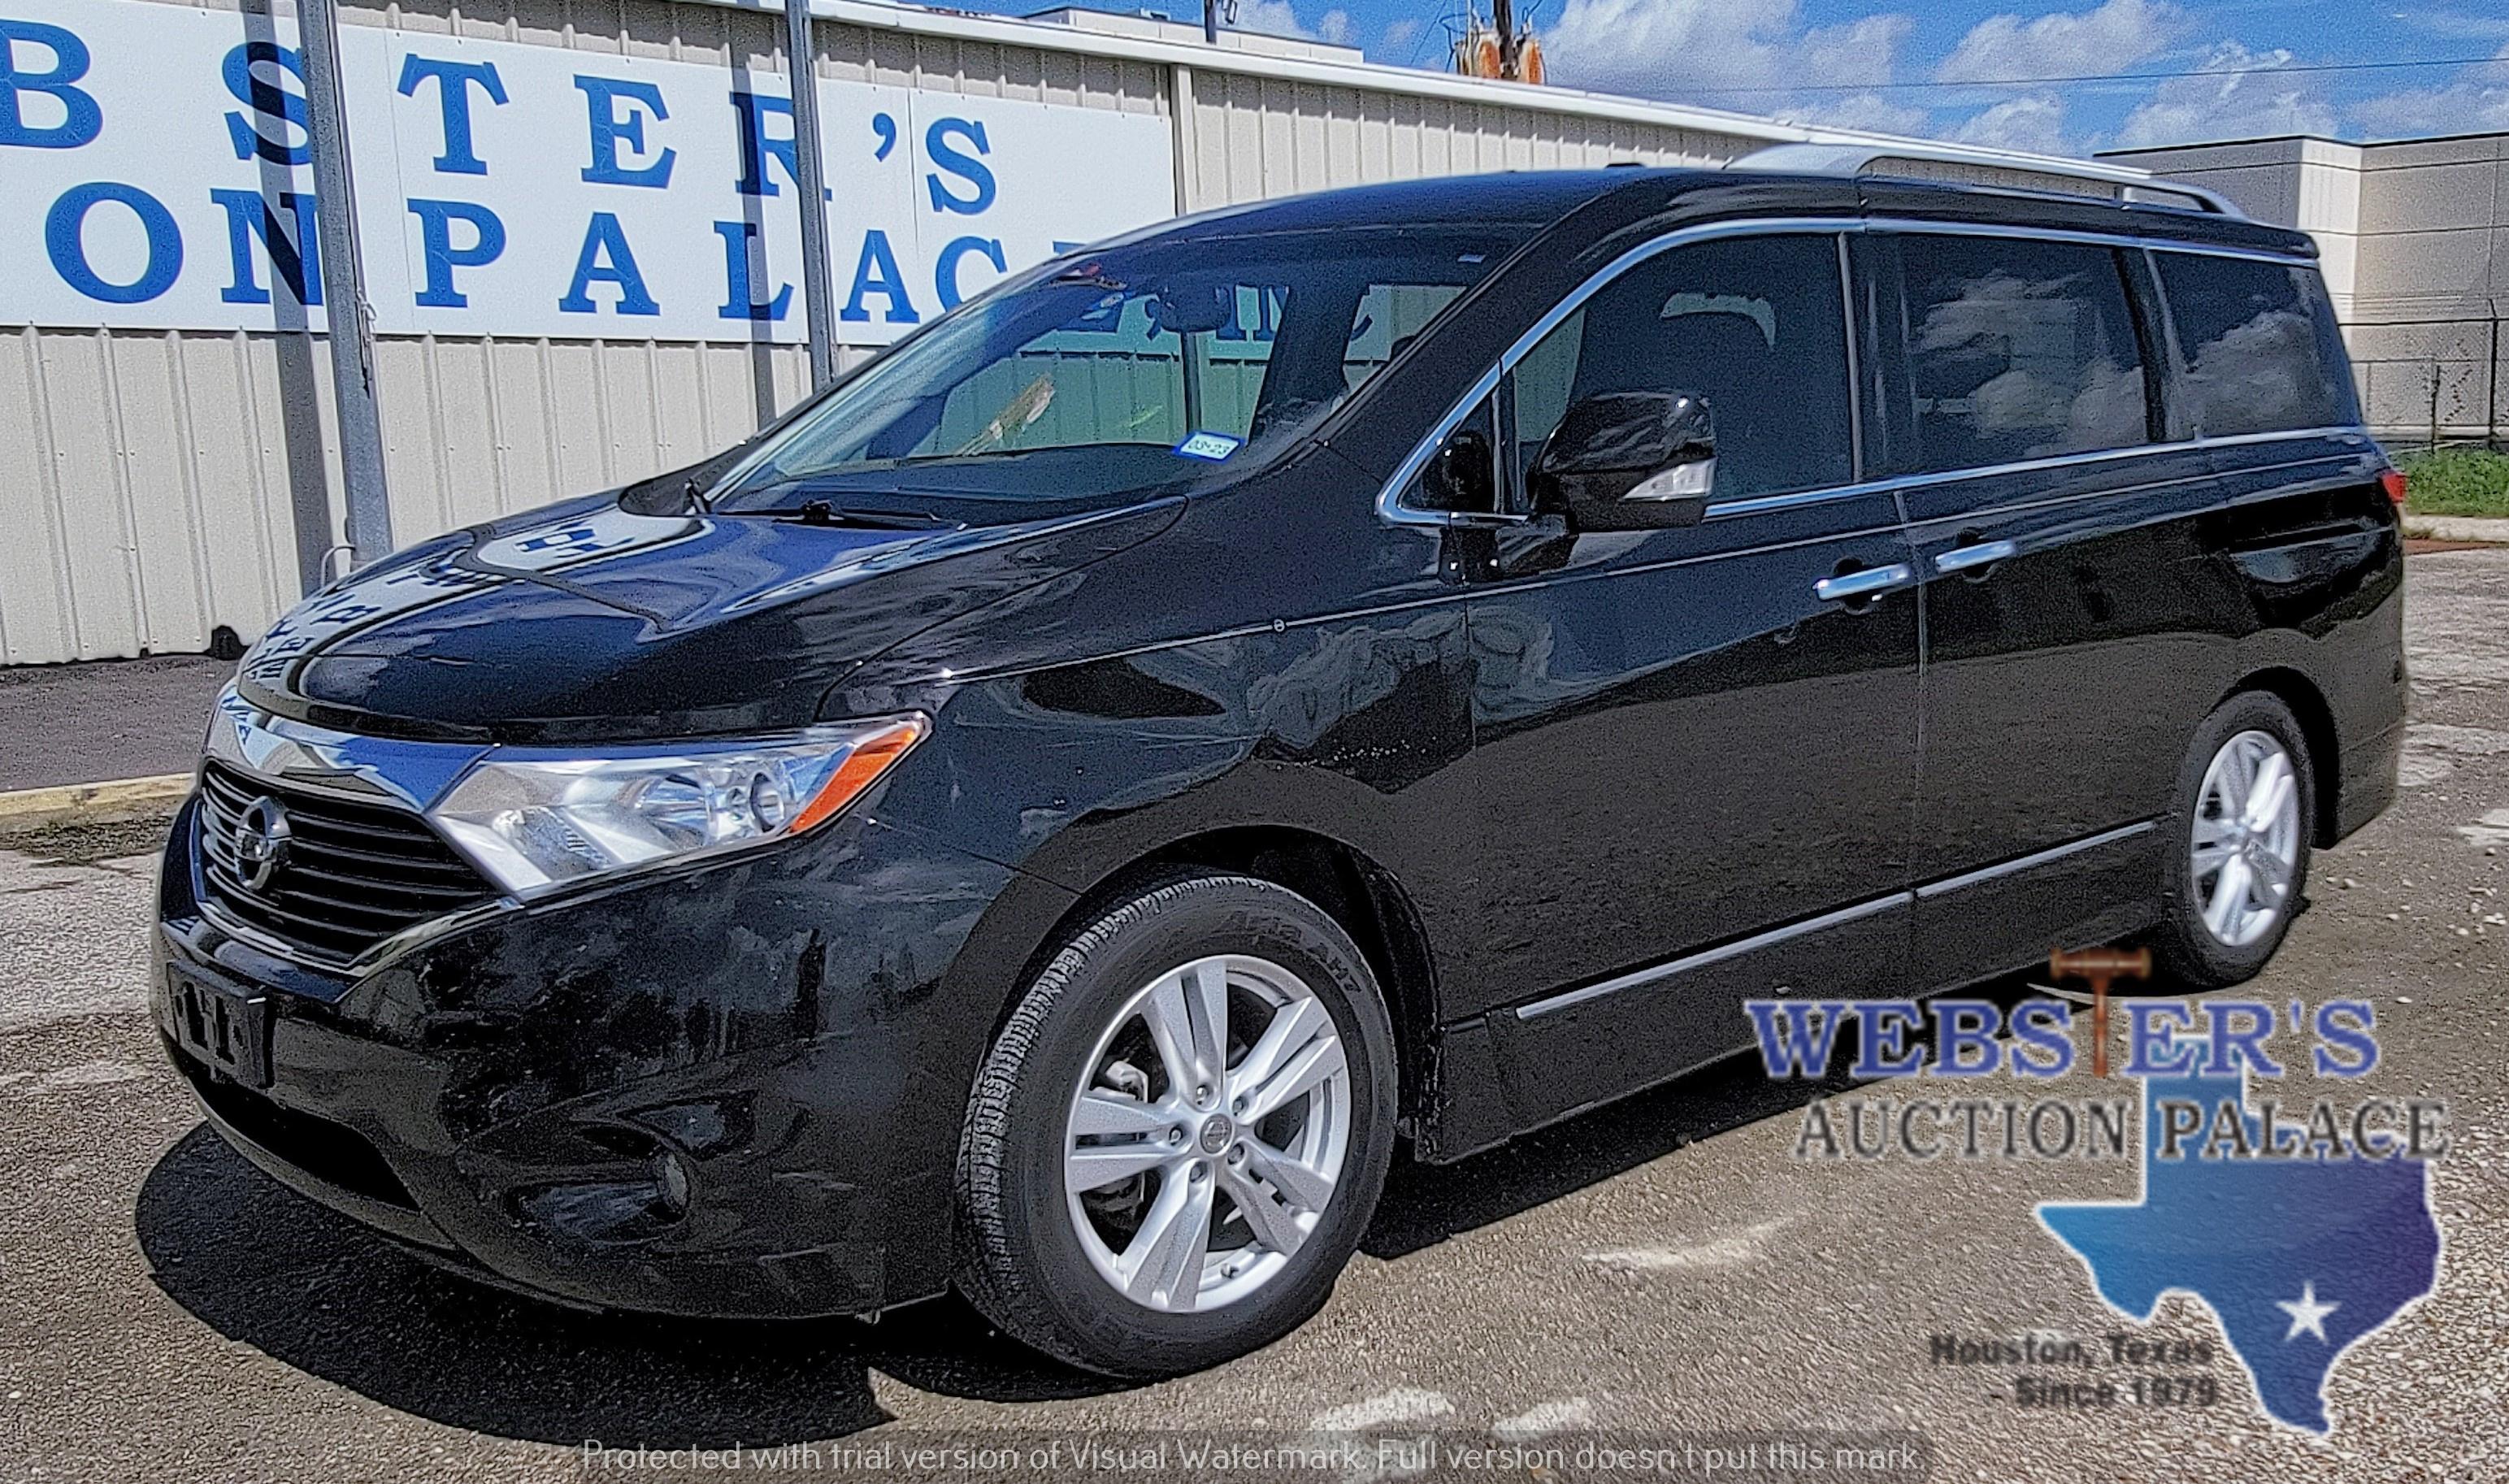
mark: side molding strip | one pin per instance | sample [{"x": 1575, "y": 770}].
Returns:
[
  {"x": 1656, "y": 973},
  {"x": 1949, "y": 885},
  {"x": 1701, "y": 960}
]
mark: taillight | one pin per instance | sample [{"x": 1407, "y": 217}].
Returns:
[{"x": 2393, "y": 482}]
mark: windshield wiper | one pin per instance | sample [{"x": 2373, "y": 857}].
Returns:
[{"x": 819, "y": 513}]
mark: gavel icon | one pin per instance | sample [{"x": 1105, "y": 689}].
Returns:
[{"x": 2096, "y": 967}]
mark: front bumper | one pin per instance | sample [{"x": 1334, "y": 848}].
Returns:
[{"x": 732, "y": 1090}]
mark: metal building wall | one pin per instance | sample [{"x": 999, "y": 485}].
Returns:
[
  {"x": 1245, "y": 137},
  {"x": 157, "y": 486}
]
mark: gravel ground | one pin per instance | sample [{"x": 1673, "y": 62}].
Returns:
[{"x": 1664, "y": 1265}]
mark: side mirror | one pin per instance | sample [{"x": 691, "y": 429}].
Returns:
[{"x": 1629, "y": 460}]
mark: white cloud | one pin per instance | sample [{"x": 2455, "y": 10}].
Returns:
[
  {"x": 1703, "y": 50},
  {"x": 1676, "y": 49},
  {"x": 1400, "y": 34},
  {"x": 2476, "y": 100},
  {"x": 1334, "y": 27},
  {"x": 2456, "y": 25},
  {"x": 2034, "y": 122},
  {"x": 1271, "y": 18},
  {"x": 2247, "y": 99},
  {"x": 2064, "y": 43}
]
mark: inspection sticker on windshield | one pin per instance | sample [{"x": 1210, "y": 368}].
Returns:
[{"x": 1209, "y": 445}]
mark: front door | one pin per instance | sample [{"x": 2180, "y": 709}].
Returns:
[{"x": 1695, "y": 750}]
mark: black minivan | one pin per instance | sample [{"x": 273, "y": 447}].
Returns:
[{"x": 1403, "y": 664}]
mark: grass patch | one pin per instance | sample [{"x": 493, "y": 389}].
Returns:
[{"x": 2456, "y": 481}]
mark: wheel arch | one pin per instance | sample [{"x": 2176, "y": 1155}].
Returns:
[
  {"x": 2308, "y": 707},
  {"x": 1365, "y": 898}
]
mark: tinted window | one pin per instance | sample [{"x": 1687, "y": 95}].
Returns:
[
  {"x": 2018, "y": 350},
  {"x": 1390, "y": 315},
  {"x": 2262, "y": 353},
  {"x": 1752, "y": 326},
  {"x": 1116, "y": 371}
]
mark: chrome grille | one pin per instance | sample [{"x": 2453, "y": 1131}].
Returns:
[{"x": 354, "y": 873}]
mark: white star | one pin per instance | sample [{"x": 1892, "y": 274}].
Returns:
[{"x": 2308, "y": 1314}]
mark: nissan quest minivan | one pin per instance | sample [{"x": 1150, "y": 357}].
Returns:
[{"x": 1399, "y": 667}]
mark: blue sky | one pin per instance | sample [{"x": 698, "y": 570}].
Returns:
[{"x": 1969, "y": 69}]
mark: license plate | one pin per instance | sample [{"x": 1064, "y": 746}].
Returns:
[{"x": 229, "y": 1028}]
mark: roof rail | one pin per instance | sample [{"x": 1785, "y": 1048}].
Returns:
[{"x": 1861, "y": 159}]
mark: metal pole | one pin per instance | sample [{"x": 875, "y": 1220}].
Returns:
[
  {"x": 802, "y": 65},
  {"x": 344, "y": 288},
  {"x": 2492, "y": 388},
  {"x": 1211, "y": 23}
]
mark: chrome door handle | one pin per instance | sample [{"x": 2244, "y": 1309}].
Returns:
[
  {"x": 1984, "y": 554},
  {"x": 1863, "y": 583}
]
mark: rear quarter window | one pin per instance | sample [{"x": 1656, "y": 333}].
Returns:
[{"x": 2260, "y": 343}]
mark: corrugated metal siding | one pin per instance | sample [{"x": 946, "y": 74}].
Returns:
[
  {"x": 1252, "y": 137},
  {"x": 157, "y": 486},
  {"x": 147, "y": 483}
]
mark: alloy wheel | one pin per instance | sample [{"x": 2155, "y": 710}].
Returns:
[
  {"x": 2246, "y": 840},
  {"x": 1207, "y": 1131}
]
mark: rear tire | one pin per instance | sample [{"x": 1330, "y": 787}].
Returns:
[
  {"x": 2236, "y": 857},
  {"x": 1215, "y": 1050}
]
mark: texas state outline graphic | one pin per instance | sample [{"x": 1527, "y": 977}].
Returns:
[{"x": 2299, "y": 1259}]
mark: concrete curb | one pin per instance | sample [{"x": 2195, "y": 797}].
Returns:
[
  {"x": 23, "y": 811},
  {"x": 2458, "y": 528}
]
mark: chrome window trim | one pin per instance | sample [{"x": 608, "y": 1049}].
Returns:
[
  {"x": 1389, "y": 499},
  {"x": 1759, "y": 503},
  {"x": 2106, "y": 455}
]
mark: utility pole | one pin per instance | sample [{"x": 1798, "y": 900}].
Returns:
[
  {"x": 1211, "y": 23},
  {"x": 1503, "y": 20},
  {"x": 802, "y": 55},
  {"x": 344, "y": 288}
]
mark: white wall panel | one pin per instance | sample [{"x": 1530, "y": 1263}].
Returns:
[
  {"x": 92, "y": 502},
  {"x": 1255, "y": 137},
  {"x": 35, "y": 602}
]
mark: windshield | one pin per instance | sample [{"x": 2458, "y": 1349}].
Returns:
[{"x": 1120, "y": 372}]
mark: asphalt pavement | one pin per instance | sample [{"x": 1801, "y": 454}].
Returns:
[
  {"x": 1666, "y": 1265},
  {"x": 105, "y": 719}
]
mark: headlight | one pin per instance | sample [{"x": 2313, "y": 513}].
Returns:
[{"x": 537, "y": 818}]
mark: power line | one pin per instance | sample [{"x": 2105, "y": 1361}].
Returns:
[{"x": 2110, "y": 77}]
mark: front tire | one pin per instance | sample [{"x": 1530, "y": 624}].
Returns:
[
  {"x": 2237, "y": 856},
  {"x": 1181, "y": 1133}
]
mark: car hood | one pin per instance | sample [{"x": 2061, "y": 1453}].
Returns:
[{"x": 586, "y": 621}]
